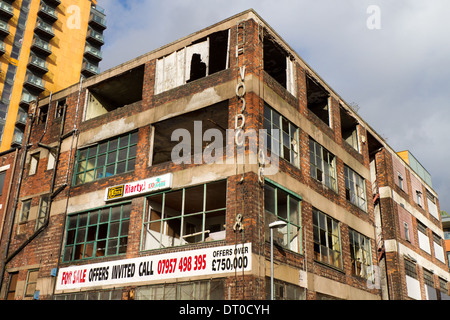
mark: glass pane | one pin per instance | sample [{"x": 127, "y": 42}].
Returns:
[
  {"x": 193, "y": 200},
  {"x": 216, "y": 195},
  {"x": 134, "y": 138},
  {"x": 113, "y": 144},
  {"x": 282, "y": 204},
  {"x": 173, "y": 203},
  {"x": 114, "y": 229},
  {"x": 112, "y": 247},
  {"x": 112, "y": 157},
  {"x": 92, "y": 233},
  {"x": 122, "y": 154},
  {"x": 131, "y": 165},
  {"x": 115, "y": 213},
  {"x": 269, "y": 198}
]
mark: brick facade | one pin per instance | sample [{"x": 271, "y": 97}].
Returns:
[{"x": 245, "y": 195}]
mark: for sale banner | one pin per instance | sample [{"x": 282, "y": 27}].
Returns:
[{"x": 202, "y": 262}]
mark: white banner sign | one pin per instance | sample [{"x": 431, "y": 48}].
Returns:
[
  {"x": 202, "y": 262},
  {"x": 139, "y": 187}
]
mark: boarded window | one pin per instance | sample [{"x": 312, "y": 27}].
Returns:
[
  {"x": 318, "y": 100},
  {"x": 201, "y": 58}
]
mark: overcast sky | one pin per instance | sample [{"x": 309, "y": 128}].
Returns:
[{"x": 397, "y": 69}]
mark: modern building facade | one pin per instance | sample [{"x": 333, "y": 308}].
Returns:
[
  {"x": 159, "y": 179},
  {"x": 46, "y": 46}
]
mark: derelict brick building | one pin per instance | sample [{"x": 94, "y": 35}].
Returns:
[{"x": 135, "y": 186}]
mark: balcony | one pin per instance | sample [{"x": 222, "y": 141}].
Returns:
[
  {"x": 95, "y": 37},
  {"x": 40, "y": 46},
  {"x": 89, "y": 69},
  {"x": 53, "y": 3},
  {"x": 4, "y": 28},
  {"x": 92, "y": 53},
  {"x": 33, "y": 82},
  {"x": 97, "y": 20},
  {"x": 26, "y": 99},
  {"x": 21, "y": 120},
  {"x": 6, "y": 10},
  {"x": 37, "y": 64},
  {"x": 47, "y": 13},
  {"x": 44, "y": 29},
  {"x": 17, "y": 138}
]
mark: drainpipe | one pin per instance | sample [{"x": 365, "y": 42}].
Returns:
[
  {"x": 53, "y": 193},
  {"x": 62, "y": 136},
  {"x": 16, "y": 196}
]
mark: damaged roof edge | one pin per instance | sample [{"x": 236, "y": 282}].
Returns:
[{"x": 180, "y": 43}]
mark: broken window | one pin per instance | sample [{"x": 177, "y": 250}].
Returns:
[
  {"x": 355, "y": 188},
  {"x": 60, "y": 106},
  {"x": 43, "y": 211},
  {"x": 185, "y": 216},
  {"x": 106, "y": 158},
  {"x": 25, "y": 212},
  {"x": 43, "y": 112},
  {"x": 203, "y": 57},
  {"x": 278, "y": 64},
  {"x": 349, "y": 129},
  {"x": 322, "y": 165},
  {"x": 97, "y": 233},
  {"x": 34, "y": 162},
  {"x": 318, "y": 100},
  {"x": 179, "y": 138},
  {"x": 114, "y": 93},
  {"x": 279, "y": 204},
  {"x": 360, "y": 254},
  {"x": 327, "y": 239},
  {"x": 282, "y": 136}
]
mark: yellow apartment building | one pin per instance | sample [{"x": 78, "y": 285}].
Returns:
[{"x": 45, "y": 46}]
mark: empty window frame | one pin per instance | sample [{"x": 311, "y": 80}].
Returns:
[
  {"x": 282, "y": 136},
  {"x": 322, "y": 165},
  {"x": 318, "y": 100},
  {"x": 25, "y": 212},
  {"x": 361, "y": 255},
  {"x": 43, "y": 211},
  {"x": 355, "y": 188},
  {"x": 185, "y": 216},
  {"x": 34, "y": 162},
  {"x": 30, "y": 284},
  {"x": 105, "y": 159},
  {"x": 349, "y": 129},
  {"x": 12, "y": 286},
  {"x": 203, "y": 57},
  {"x": 60, "y": 107},
  {"x": 278, "y": 64},
  {"x": 97, "y": 233},
  {"x": 279, "y": 204},
  {"x": 185, "y": 148},
  {"x": 43, "y": 113},
  {"x": 114, "y": 93},
  {"x": 327, "y": 239}
]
